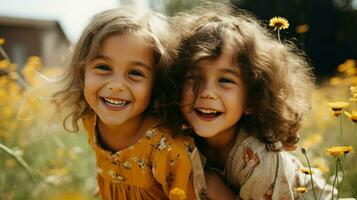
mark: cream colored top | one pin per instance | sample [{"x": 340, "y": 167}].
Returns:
[{"x": 258, "y": 174}]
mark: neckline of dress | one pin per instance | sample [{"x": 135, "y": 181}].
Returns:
[{"x": 151, "y": 130}]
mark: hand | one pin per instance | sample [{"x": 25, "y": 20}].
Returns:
[{"x": 217, "y": 188}]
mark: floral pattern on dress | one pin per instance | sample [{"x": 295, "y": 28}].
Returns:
[
  {"x": 162, "y": 143},
  {"x": 116, "y": 178},
  {"x": 250, "y": 158},
  {"x": 149, "y": 134},
  {"x": 268, "y": 195},
  {"x": 189, "y": 148},
  {"x": 169, "y": 179},
  {"x": 127, "y": 165},
  {"x": 140, "y": 162},
  {"x": 172, "y": 162}
]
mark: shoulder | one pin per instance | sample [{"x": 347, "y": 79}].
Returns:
[
  {"x": 272, "y": 173},
  {"x": 250, "y": 158},
  {"x": 165, "y": 141},
  {"x": 256, "y": 152}
]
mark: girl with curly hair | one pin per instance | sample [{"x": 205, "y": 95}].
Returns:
[{"x": 243, "y": 95}]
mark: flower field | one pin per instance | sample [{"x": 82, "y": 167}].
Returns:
[{"x": 39, "y": 160}]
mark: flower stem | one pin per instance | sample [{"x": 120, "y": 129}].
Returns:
[
  {"x": 334, "y": 180},
  {"x": 304, "y": 196},
  {"x": 341, "y": 130},
  {"x": 312, "y": 180},
  {"x": 343, "y": 175},
  {"x": 4, "y": 54},
  {"x": 279, "y": 35},
  {"x": 22, "y": 163},
  {"x": 322, "y": 191}
]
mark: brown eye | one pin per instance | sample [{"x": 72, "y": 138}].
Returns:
[
  {"x": 103, "y": 67},
  {"x": 136, "y": 73},
  {"x": 225, "y": 80}
]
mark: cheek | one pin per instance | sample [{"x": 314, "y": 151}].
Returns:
[
  {"x": 187, "y": 95},
  {"x": 143, "y": 91},
  {"x": 237, "y": 99}
]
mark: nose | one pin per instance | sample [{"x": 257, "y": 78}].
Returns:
[
  {"x": 116, "y": 83},
  {"x": 207, "y": 90}
]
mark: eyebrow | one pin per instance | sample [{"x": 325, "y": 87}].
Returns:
[
  {"x": 133, "y": 63},
  {"x": 230, "y": 71}
]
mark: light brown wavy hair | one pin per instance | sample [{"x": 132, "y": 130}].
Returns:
[
  {"x": 146, "y": 26},
  {"x": 277, "y": 76}
]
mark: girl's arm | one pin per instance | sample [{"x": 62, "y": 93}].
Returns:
[
  {"x": 217, "y": 188},
  {"x": 172, "y": 168}
]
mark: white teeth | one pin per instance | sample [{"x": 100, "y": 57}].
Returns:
[
  {"x": 208, "y": 111},
  {"x": 115, "y": 103}
]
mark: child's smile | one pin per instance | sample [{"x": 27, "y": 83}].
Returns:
[
  {"x": 114, "y": 103},
  {"x": 207, "y": 114}
]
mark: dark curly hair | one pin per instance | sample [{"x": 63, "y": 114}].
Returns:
[{"x": 277, "y": 76}]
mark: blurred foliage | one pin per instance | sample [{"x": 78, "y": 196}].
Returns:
[
  {"x": 60, "y": 164},
  {"x": 321, "y": 128}
]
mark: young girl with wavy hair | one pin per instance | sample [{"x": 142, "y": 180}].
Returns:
[
  {"x": 114, "y": 84},
  {"x": 243, "y": 95}
]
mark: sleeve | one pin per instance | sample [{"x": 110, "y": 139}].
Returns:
[
  {"x": 172, "y": 168},
  {"x": 269, "y": 177},
  {"x": 277, "y": 175}
]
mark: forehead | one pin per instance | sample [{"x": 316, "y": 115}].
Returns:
[
  {"x": 225, "y": 62},
  {"x": 121, "y": 48},
  {"x": 124, "y": 41}
]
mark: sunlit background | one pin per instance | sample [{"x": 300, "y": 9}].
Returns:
[{"x": 39, "y": 160}]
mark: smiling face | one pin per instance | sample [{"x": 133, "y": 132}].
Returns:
[
  {"x": 119, "y": 80},
  {"x": 221, "y": 96}
]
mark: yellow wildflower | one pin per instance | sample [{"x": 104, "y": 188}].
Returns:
[
  {"x": 4, "y": 64},
  {"x": 337, "y": 107},
  {"x": 348, "y": 64},
  {"x": 177, "y": 194},
  {"x": 351, "y": 72},
  {"x": 2, "y": 41},
  {"x": 352, "y": 80},
  {"x": 352, "y": 115},
  {"x": 353, "y": 99},
  {"x": 301, "y": 190},
  {"x": 338, "y": 151},
  {"x": 306, "y": 170},
  {"x": 335, "y": 81},
  {"x": 303, "y": 28},
  {"x": 353, "y": 88},
  {"x": 279, "y": 23}
]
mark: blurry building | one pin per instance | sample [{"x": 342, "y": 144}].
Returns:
[{"x": 34, "y": 37}]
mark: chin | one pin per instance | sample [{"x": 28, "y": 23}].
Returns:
[
  {"x": 110, "y": 121},
  {"x": 205, "y": 133}
]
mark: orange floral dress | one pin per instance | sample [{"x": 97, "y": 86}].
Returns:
[{"x": 156, "y": 167}]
